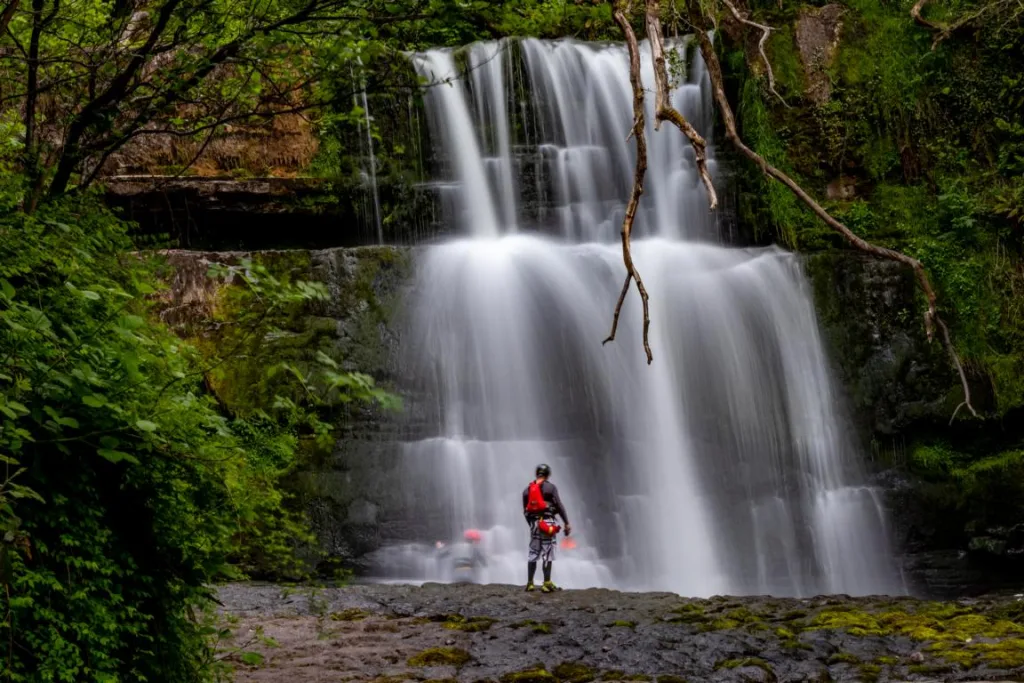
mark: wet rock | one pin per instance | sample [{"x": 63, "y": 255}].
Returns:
[{"x": 370, "y": 631}]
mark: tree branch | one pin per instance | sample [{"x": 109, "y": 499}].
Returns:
[
  {"x": 638, "y": 184},
  {"x": 765, "y": 32},
  {"x": 944, "y": 31},
  {"x": 8, "y": 14},
  {"x": 663, "y": 109},
  {"x": 931, "y": 317}
]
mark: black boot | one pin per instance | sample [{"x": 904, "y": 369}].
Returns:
[{"x": 531, "y": 569}]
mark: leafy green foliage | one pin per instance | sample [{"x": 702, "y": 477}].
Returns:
[
  {"x": 932, "y": 142},
  {"x": 127, "y": 487}
]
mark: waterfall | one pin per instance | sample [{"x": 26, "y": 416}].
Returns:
[
  {"x": 726, "y": 466},
  {"x": 373, "y": 170}
]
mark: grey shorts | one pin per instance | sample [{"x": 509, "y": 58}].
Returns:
[{"x": 542, "y": 546}]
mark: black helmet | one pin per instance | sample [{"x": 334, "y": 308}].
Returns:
[{"x": 543, "y": 470}]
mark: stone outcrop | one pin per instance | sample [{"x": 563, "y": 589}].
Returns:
[
  {"x": 871, "y": 318},
  {"x": 817, "y": 38},
  {"x": 225, "y": 213}
]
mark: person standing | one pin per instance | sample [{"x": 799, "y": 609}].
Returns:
[{"x": 541, "y": 505}]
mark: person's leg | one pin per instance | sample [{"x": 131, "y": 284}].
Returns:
[
  {"x": 547, "y": 558},
  {"x": 533, "y": 558}
]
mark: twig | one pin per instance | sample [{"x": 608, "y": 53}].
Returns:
[
  {"x": 663, "y": 109},
  {"x": 931, "y": 317},
  {"x": 765, "y": 32},
  {"x": 638, "y": 184}
]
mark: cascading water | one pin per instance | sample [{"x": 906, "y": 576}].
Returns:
[{"x": 725, "y": 466}]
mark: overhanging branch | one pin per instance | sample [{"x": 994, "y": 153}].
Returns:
[
  {"x": 663, "y": 109},
  {"x": 638, "y": 183},
  {"x": 931, "y": 316}
]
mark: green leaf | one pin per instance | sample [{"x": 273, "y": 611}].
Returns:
[
  {"x": 95, "y": 400},
  {"x": 325, "y": 359},
  {"x": 117, "y": 456},
  {"x": 7, "y": 288},
  {"x": 146, "y": 425},
  {"x": 252, "y": 658},
  {"x": 89, "y": 294}
]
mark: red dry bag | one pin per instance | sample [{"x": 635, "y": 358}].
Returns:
[{"x": 535, "y": 502}]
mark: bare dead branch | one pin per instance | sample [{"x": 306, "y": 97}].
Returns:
[
  {"x": 931, "y": 317},
  {"x": 765, "y": 32},
  {"x": 663, "y": 109},
  {"x": 638, "y": 184}
]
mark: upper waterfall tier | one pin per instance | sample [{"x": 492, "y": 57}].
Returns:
[{"x": 532, "y": 134}]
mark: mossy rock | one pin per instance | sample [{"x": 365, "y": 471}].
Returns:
[
  {"x": 621, "y": 623},
  {"x": 457, "y": 622},
  {"x": 532, "y": 675},
  {"x": 748, "y": 662},
  {"x": 574, "y": 672},
  {"x": 440, "y": 656},
  {"x": 669, "y": 678},
  {"x": 869, "y": 673},
  {"x": 539, "y": 627},
  {"x": 689, "y": 613}
]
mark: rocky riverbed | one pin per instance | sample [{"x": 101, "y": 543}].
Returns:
[{"x": 390, "y": 633}]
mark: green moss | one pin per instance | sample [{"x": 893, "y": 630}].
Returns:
[
  {"x": 623, "y": 624},
  {"x": 843, "y": 658},
  {"x": 540, "y": 627},
  {"x": 745, "y": 662},
  {"x": 887, "y": 660},
  {"x": 533, "y": 675},
  {"x": 669, "y": 678},
  {"x": 457, "y": 622},
  {"x": 735, "y": 618},
  {"x": 689, "y": 613},
  {"x": 351, "y": 614},
  {"x": 869, "y": 672},
  {"x": 857, "y": 623},
  {"x": 612, "y": 675},
  {"x": 574, "y": 672},
  {"x": 440, "y": 656},
  {"x": 636, "y": 677}
]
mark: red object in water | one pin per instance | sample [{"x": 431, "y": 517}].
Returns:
[
  {"x": 472, "y": 535},
  {"x": 568, "y": 543}
]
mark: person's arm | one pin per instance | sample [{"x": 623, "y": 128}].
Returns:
[
  {"x": 526, "y": 498},
  {"x": 559, "y": 506}
]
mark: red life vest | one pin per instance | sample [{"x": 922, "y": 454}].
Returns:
[{"x": 535, "y": 503}]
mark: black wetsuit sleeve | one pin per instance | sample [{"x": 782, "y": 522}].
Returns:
[
  {"x": 526, "y": 498},
  {"x": 556, "y": 502}
]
